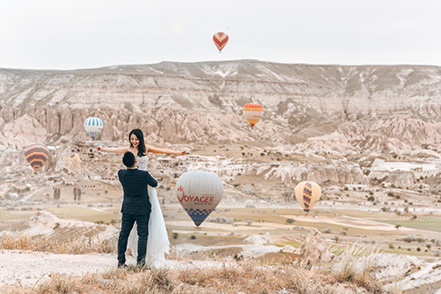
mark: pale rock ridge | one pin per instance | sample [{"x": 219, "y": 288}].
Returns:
[
  {"x": 167, "y": 99},
  {"x": 314, "y": 247},
  {"x": 325, "y": 113},
  {"x": 290, "y": 173}
]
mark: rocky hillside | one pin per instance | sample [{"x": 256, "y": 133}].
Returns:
[{"x": 343, "y": 109}]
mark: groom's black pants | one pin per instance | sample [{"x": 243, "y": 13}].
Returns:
[{"x": 127, "y": 222}]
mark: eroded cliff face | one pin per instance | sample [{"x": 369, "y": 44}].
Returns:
[{"x": 370, "y": 107}]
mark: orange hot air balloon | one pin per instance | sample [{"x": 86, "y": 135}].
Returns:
[
  {"x": 36, "y": 155},
  {"x": 308, "y": 194},
  {"x": 253, "y": 112},
  {"x": 220, "y": 40}
]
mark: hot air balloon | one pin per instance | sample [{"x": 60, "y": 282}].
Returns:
[
  {"x": 220, "y": 40},
  {"x": 308, "y": 194},
  {"x": 199, "y": 192},
  {"x": 253, "y": 112},
  {"x": 36, "y": 155},
  {"x": 93, "y": 126}
]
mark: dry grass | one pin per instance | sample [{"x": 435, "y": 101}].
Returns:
[
  {"x": 356, "y": 265},
  {"x": 80, "y": 245},
  {"x": 243, "y": 277},
  {"x": 219, "y": 275}
]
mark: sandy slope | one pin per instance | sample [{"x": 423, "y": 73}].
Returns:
[{"x": 31, "y": 268}]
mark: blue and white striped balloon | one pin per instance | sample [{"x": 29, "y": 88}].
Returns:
[{"x": 93, "y": 126}]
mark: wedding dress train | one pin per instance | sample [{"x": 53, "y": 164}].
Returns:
[{"x": 157, "y": 242}]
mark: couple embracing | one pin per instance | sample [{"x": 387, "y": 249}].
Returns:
[{"x": 142, "y": 224}]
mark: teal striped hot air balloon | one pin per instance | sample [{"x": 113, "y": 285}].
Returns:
[{"x": 93, "y": 126}]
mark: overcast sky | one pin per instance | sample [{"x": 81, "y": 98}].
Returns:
[{"x": 72, "y": 34}]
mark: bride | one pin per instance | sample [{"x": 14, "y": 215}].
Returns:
[{"x": 157, "y": 243}]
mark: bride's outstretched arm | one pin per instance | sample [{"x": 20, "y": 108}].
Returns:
[
  {"x": 113, "y": 150},
  {"x": 164, "y": 151}
]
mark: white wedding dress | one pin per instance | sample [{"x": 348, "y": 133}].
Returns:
[{"x": 157, "y": 243}]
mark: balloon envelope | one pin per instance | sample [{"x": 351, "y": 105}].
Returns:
[
  {"x": 308, "y": 194},
  {"x": 36, "y": 155},
  {"x": 93, "y": 126},
  {"x": 220, "y": 40},
  {"x": 199, "y": 192},
  {"x": 253, "y": 112}
]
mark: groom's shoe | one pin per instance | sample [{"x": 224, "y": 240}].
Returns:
[{"x": 122, "y": 265}]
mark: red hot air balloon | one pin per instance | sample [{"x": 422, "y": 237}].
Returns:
[
  {"x": 36, "y": 155},
  {"x": 220, "y": 40}
]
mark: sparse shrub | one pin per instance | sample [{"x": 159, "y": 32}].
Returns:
[
  {"x": 371, "y": 198},
  {"x": 290, "y": 220},
  {"x": 193, "y": 237},
  {"x": 326, "y": 231},
  {"x": 410, "y": 238}
]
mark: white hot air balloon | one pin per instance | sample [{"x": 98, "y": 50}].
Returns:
[
  {"x": 199, "y": 192},
  {"x": 308, "y": 194},
  {"x": 93, "y": 126}
]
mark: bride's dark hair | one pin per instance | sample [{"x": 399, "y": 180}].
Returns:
[{"x": 141, "y": 147}]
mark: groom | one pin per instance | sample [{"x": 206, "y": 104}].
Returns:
[{"x": 136, "y": 207}]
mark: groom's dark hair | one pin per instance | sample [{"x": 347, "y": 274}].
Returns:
[{"x": 129, "y": 159}]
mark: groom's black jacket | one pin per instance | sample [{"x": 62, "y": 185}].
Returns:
[{"x": 134, "y": 183}]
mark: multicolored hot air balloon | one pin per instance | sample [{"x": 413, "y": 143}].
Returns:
[
  {"x": 93, "y": 126},
  {"x": 220, "y": 40},
  {"x": 36, "y": 155},
  {"x": 308, "y": 194},
  {"x": 253, "y": 112},
  {"x": 199, "y": 192}
]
